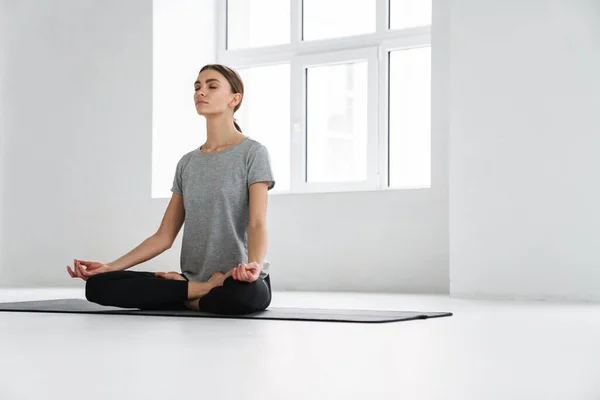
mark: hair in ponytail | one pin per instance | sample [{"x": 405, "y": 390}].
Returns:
[{"x": 236, "y": 125}]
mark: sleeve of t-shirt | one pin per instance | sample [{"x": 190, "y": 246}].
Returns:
[
  {"x": 259, "y": 168},
  {"x": 177, "y": 179}
]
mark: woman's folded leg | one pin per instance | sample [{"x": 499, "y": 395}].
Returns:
[
  {"x": 237, "y": 297},
  {"x": 136, "y": 289}
]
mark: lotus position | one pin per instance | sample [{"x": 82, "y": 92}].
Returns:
[{"x": 220, "y": 193}]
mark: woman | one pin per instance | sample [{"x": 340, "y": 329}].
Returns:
[{"x": 220, "y": 191}]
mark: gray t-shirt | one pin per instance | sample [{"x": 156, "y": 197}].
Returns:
[{"x": 215, "y": 190}]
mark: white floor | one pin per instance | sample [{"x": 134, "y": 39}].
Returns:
[{"x": 488, "y": 350}]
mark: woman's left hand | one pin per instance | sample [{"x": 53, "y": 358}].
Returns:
[{"x": 247, "y": 272}]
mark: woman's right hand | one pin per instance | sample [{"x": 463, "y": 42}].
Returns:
[{"x": 91, "y": 268}]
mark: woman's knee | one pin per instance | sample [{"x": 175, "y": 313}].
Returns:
[
  {"x": 251, "y": 296},
  {"x": 236, "y": 298},
  {"x": 93, "y": 288},
  {"x": 96, "y": 287}
]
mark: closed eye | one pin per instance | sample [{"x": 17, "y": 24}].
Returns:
[{"x": 210, "y": 87}]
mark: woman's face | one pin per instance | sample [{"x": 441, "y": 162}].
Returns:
[{"x": 212, "y": 94}]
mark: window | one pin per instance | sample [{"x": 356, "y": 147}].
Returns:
[
  {"x": 340, "y": 92},
  {"x": 256, "y": 23},
  {"x": 409, "y": 13},
  {"x": 270, "y": 124},
  {"x": 337, "y": 18},
  {"x": 336, "y": 122}
]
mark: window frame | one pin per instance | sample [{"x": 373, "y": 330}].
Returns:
[
  {"x": 300, "y": 54},
  {"x": 300, "y": 66}
]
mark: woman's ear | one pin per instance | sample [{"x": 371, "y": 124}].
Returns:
[{"x": 237, "y": 98}]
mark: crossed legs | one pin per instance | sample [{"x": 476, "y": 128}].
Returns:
[{"x": 146, "y": 291}]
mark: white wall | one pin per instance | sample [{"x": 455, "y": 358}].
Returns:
[
  {"x": 2, "y": 116},
  {"x": 79, "y": 139},
  {"x": 524, "y": 141},
  {"x": 78, "y": 136}
]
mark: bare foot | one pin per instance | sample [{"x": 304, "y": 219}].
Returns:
[
  {"x": 176, "y": 276},
  {"x": 218, "y": 278},
  {"x": 192, "y": 304},
  {"x": 199, "y": 289}
]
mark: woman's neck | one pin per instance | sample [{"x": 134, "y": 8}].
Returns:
[{"x": 220, "y": 133}]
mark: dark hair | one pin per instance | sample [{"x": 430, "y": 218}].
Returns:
[{"x": 235, "y": 81}]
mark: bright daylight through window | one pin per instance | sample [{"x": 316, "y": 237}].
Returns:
[{"x": 338, "y": 91}]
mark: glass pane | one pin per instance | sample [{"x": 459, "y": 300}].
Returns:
[
  {"x": 409, "y": 13},
  {"x": 410, "y": 117},
  {"x": 266, "y": 120},
  {"x": 327, "y": 19},
  {"x": 256, "y": 23},
  {"x": 336, "y": 123}
]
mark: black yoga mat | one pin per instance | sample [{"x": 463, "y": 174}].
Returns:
[{"x": 81, "y": 306}]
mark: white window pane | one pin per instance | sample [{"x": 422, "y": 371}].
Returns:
[
  {"x": 265, "y": 115},
  {"x": 409, "y": 13},
  {"x": 327, "y": 19},
  {"x": 410, "y": 117},
  {"x": 336, "y": 120},
  {"x": 256, "y": 23}
]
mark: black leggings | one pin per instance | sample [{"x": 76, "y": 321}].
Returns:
[{"x": 144, "y": 290}]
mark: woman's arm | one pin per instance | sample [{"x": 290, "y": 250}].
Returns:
[
  {"x": 159, "y": 242},
  {"x": 257, "y": 225}
]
